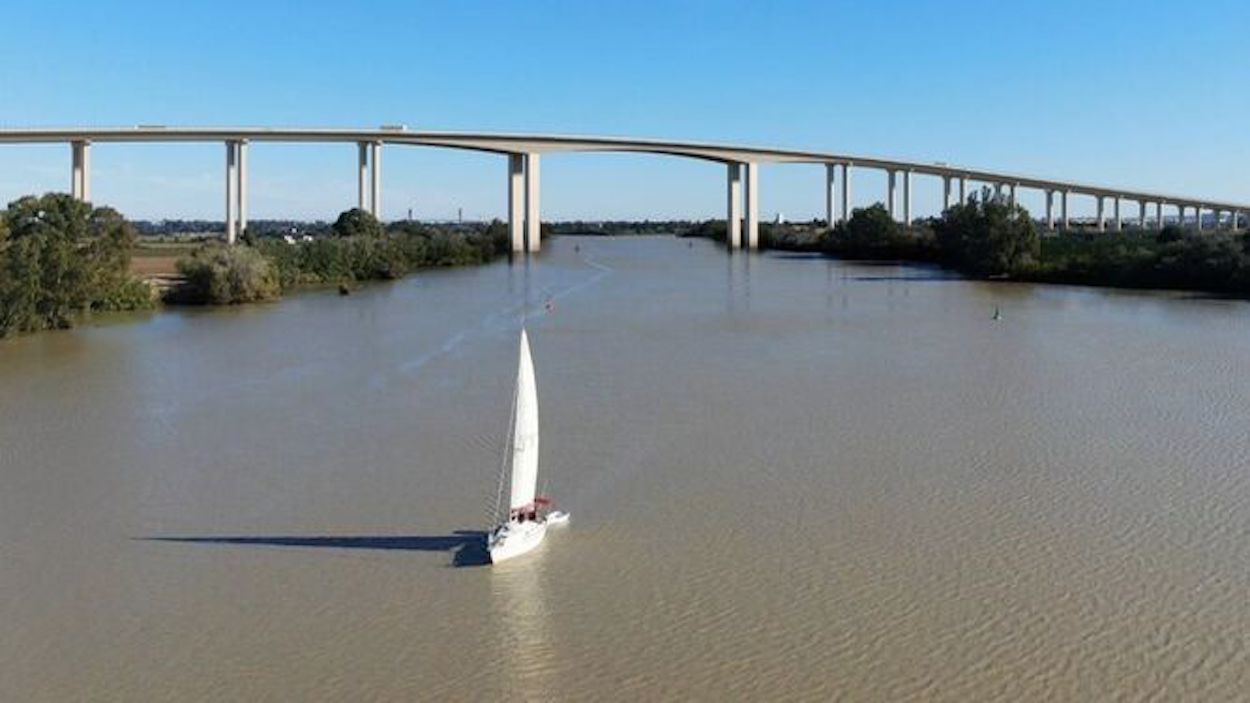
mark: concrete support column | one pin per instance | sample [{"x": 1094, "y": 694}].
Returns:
[
  {"x": 892, "y": 194},
  {"x": 1119, "y": 222},
  {"x": 1141, "y": 214},
  {"x": 946, "y": 192},
  {"x": 232, "y": 167},
  {"x": 375, "y": 173},
  {"x": 80, "y": 171},
  {"x": 1159, "y": 215},
  {"x": 1063, "y": 209},
  {"x": 1236, "y": 219},
  {"x": 1102, "y": 221},
  {"x": 907, "y": 197},
  {"x": 1050, "y": 209},
  {"x": 998, "y": 191},
  {"x": 963, "y": 190},
  {"x": 86, "y": 171},
  {"x": 733, "y": 213},
  {"x": 533, "y": 196},
  {"x": 75, "y": 172},
  {"x": 242, "y": 186},
  {"x": 1011, "y": 194},
  {"x": 362, "y": 176},
  {"x": 1198, "y": 217},
  {"x": 516, "y": 202},
  {"x": 831, "y": 195},
  {"x": 846, "y": 192},
  {"x": 752, "y": 233}
]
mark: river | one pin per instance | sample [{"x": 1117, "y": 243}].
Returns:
[{"x": 790, "y": 479}]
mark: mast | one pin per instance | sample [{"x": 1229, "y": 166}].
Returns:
[{"x": 525, "y": 432}]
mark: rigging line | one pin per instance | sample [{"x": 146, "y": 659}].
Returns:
[{"x": 508, "y": 438}]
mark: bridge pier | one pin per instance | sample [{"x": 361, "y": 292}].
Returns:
[
  {"x": 1236, "y": 219},
  {"x": 1102, "y": 222},
  {"x": 241, "y": 146},
  {"x": 831, "y": 194},
  {"x": 232, "y": 169},
  {"x": 80, "y": 171},
  {"x": 963, "y": 190},
  {"x": 1159, "y": 215},
  {"x": 362, "y": 175},
  {"x": 946, "y": 193},
  {"x": 1063, "y": 209},
  {"x": 1119, "y": 223},
  {"x": 907, "y": 197},
  {"x": 1198, "y": 217},
  {"x": 892, "y": 194},
  {"x": 369, "y": 177},
  {"x": 236, "y": 189},
  {"x": 516, "y": 202},
  {"x": 752, "y": 233},
  {"x": 533, "y": 218},
  {"x": 846, "y": 192},
  {"x": 1050, "y": 209},
  {"x": 375, "y": 173},
  {"x": 1011, "y": 194},
  {"x": 733, "y": 214}
]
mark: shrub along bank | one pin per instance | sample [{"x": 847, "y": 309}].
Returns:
[{"x": 357, "y": 249}]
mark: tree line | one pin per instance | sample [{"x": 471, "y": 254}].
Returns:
[
  {"x": 357, "y": 248},
  {"x": 62, "y": 260},
  {"x": 990, "y": 237}
]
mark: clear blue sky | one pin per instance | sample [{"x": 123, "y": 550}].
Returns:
[{"x": 1152, "y": 95}]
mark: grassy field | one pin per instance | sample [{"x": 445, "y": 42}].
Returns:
[{"x": 152, "y": 258}]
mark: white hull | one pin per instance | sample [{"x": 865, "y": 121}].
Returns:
[{"x": 514, "y": 539}]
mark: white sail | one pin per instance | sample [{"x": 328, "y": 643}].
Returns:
[{"x": 525, "y": 432}]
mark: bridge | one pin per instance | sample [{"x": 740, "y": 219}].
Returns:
[{"x": 523, "y": 152}]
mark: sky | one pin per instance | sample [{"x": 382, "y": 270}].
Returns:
[{"x": 1150, "y": 95}]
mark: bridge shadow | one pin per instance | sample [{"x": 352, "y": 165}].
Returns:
[{"x": 468, "y": 546}]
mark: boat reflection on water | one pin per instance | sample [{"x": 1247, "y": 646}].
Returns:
[{"x": 526, "y": 649}]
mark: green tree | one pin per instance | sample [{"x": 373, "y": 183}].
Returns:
[
  {"x": 867, "y": 228},
  {"x": 987, "y": 236},
  {"x": 227, "y": 275},
  {"x": 60, "y": 258},
  {"x": 357, "y": 223},
  {"x": 1170, "y": 233}
]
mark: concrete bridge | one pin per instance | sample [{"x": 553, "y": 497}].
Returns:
[{"x": 523, "y": 152}]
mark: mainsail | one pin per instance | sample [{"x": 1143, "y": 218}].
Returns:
[{"x": 525, "y": 432}]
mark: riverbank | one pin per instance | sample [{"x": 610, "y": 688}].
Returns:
[
  {"x": 267, "y": 268},
  {"x": 1172, "y": 259},
  {"x": 63, "y": 260}
]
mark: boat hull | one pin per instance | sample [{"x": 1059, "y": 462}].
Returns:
[{"x": 514, "y": 539}]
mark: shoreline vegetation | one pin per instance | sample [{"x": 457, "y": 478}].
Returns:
[
  {"x": 356, "y": 248},
  {"x": 62, "y": 260},
  {"x": 988, "y": 238}
]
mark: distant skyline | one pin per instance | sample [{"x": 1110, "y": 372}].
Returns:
[{"x": 1144, "y": 96}]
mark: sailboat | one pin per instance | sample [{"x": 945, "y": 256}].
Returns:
[{"x": 528, "y": 514}]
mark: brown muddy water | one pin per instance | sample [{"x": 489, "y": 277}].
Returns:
[{"x": 790, "y": 479}]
